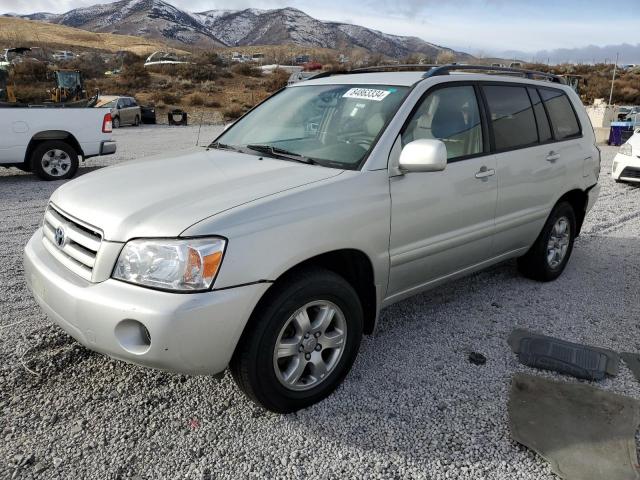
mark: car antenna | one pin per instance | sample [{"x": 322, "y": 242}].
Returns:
[{"x": 199, "y": 128}]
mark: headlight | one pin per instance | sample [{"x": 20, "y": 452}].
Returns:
[
  {"x": 625, "y": 149},
  {"x": 183, "y": 265}
]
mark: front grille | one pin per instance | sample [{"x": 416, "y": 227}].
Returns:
[
  {"x": 80, "y": 244},
  {"x": 630, "y": 172}
]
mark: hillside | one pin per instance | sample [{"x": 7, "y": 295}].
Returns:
[
  {"x": 17, "y": 31},
  {"x": 159, "y": 20}
]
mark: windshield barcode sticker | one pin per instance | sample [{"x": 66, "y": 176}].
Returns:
[{"x": 366, "y": 94}]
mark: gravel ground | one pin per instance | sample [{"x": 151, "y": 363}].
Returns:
[{"x": 413, "y": 406}]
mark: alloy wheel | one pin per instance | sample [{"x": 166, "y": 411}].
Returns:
[{"x": 310, "y": 345}]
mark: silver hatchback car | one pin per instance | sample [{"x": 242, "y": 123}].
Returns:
[{"x": 272, "y": 251}]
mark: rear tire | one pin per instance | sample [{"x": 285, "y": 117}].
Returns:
[
  {"x": 549, "y": 255},
  {"x": 136, "y": 122},
  {"x": 54, "y": 160},
  {"x": 280, "y": 362}
]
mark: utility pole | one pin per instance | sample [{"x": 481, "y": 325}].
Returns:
[{"x": 615, "y": 66}]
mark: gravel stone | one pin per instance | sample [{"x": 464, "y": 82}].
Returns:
[{"x": 412, "y": 407}]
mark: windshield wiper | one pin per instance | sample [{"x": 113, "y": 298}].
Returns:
[
  {"x": 223, "y": 146},
  {"x": 282, "y": 153}
]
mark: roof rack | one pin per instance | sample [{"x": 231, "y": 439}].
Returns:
[
  {"x": 436, "y": 70},
  {"x": 399, "y": 66},
  {"x": 532, "y": 74}
]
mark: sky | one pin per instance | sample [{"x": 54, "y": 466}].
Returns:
[{"x": 512, "y": 28}]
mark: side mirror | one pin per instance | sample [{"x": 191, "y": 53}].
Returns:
[{"x": 425, "y": 155}]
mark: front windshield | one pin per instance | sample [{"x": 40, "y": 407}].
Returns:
[{"x": 335, "y": 125}]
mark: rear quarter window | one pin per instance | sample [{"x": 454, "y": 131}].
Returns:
[
  {"x": 563, "y": 118},
  {"x": 511, "y": 116}
]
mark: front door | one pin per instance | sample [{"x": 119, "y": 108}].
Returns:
[{"x": 442, "y": 223}]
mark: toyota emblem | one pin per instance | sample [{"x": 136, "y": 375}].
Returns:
[{"x": 59, "y": 237}]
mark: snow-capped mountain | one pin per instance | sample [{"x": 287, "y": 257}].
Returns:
[{"x": 160, "y": 20}]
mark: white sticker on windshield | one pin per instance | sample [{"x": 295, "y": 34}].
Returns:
[{"x": 366, "y": 94}]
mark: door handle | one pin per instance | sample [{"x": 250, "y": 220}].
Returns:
[
  {"x": 485, "y": 172},
  {"x": 552, "y": 156}
]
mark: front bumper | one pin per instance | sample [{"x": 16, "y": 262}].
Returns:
[
  {"x": 626, "y": 162},
  {"x": 189, "y": 333}
]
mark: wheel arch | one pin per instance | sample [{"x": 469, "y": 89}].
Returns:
[
  {"x": 578, "y": 200},
  {"x": 351, "y": 264},
  {"x": 47, "y": 135}
]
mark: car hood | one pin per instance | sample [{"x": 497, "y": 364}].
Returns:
[{"x": 163, "y": 196}]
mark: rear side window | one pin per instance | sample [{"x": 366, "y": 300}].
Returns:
[
  {"x": 511, "y": 116},
  {"x": 544, "y": 130},
  {"x": 563, "y": 118}
]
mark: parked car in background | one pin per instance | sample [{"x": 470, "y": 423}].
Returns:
[
  {"x": 626, "y": 163},
  {"x": 63, "y": 55},
  {"x": 124, "y": 110},
  {"x": 50, "y": 142},
  {"x": 274, "y": 250},
  {"x": 148, "y": 113}
]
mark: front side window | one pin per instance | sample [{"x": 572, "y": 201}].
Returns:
[
  {"x": 449, "y": 114},
  {"x": 511, "y": 116},
  {"x": 563, "y": 118},
  {"x": 334, "y": 125}
]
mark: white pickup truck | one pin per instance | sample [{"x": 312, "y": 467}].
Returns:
[{"x": 50, "y": 141}]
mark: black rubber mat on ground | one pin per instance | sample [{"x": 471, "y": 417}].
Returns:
[
  {"x": 549, "y": 353},
  {"x": 584, "y": 433},
  {"x": 633, "y": 362}
]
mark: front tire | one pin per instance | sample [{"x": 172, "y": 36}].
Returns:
[
  {"x": 115, "y": 122},
  {"x": 301, "y": 341},
  {"x": 136, "y": 122},
  {"x": 549, "y": 255},
  {"x": 54, "y": 160}
]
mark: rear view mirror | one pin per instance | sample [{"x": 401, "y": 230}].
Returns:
[{"x": 425, "y": 155}]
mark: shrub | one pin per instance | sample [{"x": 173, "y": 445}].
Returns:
[
  {"x": 277, "y": 80},
  {"x": 166, "y": 98},
  {"x": 246, "y": 69},
  {"x": 233, "y": 112},
  {"x": 209, "y": 87},
  {"x": 135, "y": 75},
  {"x": 195, "y": 99},
  {"x": 211, "y": 103},
  {"x": 91, "y": 65}
]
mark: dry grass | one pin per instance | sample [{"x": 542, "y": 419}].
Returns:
[{"x": 16, "y": 31}]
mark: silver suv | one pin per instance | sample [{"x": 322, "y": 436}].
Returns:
[{"x": 274, "y": 250}]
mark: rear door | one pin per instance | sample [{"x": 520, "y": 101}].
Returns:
[
  {"x": 443, "y": 222},
  {"x": 532, "y": 162},
  {"x": 129, "y": 110},
  {"x": 122, "y": 112}
]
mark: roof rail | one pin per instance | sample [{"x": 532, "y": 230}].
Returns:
[
  {"x": 437, "y": 70},
  {"x": 403, "y": 66},
  {"x": 373, "y": 69},
  {"x": 445, "y": 69}
]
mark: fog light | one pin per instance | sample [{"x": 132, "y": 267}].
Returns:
[{"x": 133, "y": 336}]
